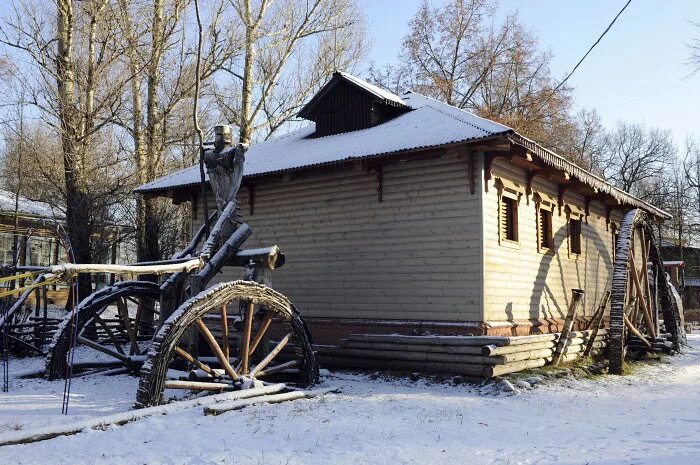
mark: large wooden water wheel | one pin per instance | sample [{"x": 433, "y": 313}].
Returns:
[
  {"x": 111, "y": 328},
  {"x": 644, "y": 316},
  {"x": 235, "y": 335}
]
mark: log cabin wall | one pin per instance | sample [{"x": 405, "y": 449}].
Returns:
[
  {"x": 528, "y": 289},
  {"x": 409, "y": 264}
]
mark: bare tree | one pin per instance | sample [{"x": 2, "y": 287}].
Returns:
[
  {"x": 455, "y": 53},
  {"x": 76, "y": 81},
  {"x": 161, "y": 59},
  {"x": 585, "y": 142},
  {"x": 635, "y": 156},
  {"x": 694, "y": 52},
  {"x": 290, "y": 47}
]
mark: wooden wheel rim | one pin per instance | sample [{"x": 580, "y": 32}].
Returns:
[
  {"x": 167, "y": 343},
  {"x": 635, "y": 250}
]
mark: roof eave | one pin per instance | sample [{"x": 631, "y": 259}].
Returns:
[
  {"x": 585, "y": 176},
  {"x": 376, "y": 156}
]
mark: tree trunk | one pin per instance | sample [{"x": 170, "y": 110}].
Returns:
[
  {"x": 150, "y": 156},
  {"x": 246, "y": 122},
  {"x": 77, "y": 203}
]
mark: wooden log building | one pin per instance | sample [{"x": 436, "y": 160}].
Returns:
[{"x": 402, "y": 214}]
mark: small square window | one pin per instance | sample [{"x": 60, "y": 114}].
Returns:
[
  {"x": 545, "y": 229},
  {"x": 509, "y": 219},
  {"x": 575, "y": 236}
]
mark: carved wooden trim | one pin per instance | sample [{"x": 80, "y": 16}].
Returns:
[
  {"x": 529, "y": 176},
  {"x": 560, "y": 196},
  {"x": 587, "y": 206},
  {"x": 488, "y": 173}
]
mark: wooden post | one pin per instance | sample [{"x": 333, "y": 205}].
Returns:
[
  {"x": 595, "y": 322},
  {"x": 576, "y": 296}
]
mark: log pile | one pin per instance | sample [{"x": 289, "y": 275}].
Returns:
[{"x": 477, "y": 356}]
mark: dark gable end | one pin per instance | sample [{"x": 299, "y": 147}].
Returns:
[{"x": 347, "y": 104}]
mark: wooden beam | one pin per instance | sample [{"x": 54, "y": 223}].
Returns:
[{"x": 635, "y": 331}]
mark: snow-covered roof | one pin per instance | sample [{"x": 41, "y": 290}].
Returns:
[
  {"x": 26, "y": 207},
  {"x": 378, "y": 91},
  {"x": 430, "y": 124},
  {"x": 384, "y": 96}
]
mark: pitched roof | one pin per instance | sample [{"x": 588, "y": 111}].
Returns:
[
  {"x": 383, "y": 95},
  {"x": 429, "y": 124}
]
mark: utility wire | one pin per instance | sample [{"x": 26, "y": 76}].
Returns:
[{"x": 590, "y": 49}]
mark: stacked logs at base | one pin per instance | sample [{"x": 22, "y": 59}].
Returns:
[{"x": 477, "y": 356}]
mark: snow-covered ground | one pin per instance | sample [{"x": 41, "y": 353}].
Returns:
[{"x": 649, "y": 417}]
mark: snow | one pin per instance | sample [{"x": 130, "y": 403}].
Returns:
[
  {"x": 430, "y": 124},
  {"x": 378, "y": 91},
  {"x": 26, "y": 206},
  {"x": 648, "y": 417}
]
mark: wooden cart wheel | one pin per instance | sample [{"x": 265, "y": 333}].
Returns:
[
  {"x": 643, "y": 314},
  {"x": 114, "y": 328},
  {"x": 236, "y": 335}
]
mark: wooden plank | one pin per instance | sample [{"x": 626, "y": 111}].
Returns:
[
  {"x": 404, "y": 365},
  {"x": 447, "y": 349},
  {"x": 462, "y": 340},
  {"x": 269, "y": 399}
]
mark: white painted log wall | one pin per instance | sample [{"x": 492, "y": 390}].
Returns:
[
  {"x": 520, "y": 283},
  {"x": 415, "y": 256}
]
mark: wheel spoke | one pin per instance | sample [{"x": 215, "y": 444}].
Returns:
[
  {"x": 646, "y": 312},
  {"x": 278, "y": 368},
  {"x": 261, "y": 333},
  {"x": 105, "y": 350},
  {"x": 202, "y": 366},
  {"x": 224, "y": 330},
  {"x": 204, "y": 331},
  {"x": 245, "y": 343},
  {"x": 110, "y": 333},
  {"x": 124, "y": 313},
  {"x": 137, "y": 318},
  {"x": 266, "y": 361}
]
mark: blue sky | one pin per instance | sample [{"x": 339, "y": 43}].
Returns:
[{"x": 637, "y": 73}]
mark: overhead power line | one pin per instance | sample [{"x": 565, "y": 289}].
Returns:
[{"x": 592, "y": 47}]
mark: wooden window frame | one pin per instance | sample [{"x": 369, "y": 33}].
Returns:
[
  {"x": 615, "y": 235},
  {"x": 549, "y": 209},
  {"x": 512, "y": 191},
  {"x": 573, "y": 214}
]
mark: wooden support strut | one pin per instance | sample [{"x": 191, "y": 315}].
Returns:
[
  {"x": 635, "y": 331},
  {"x": 576, "y": 296}
]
